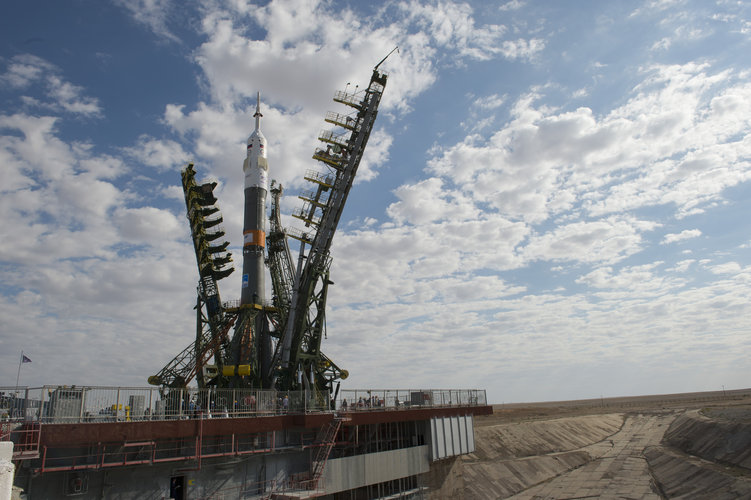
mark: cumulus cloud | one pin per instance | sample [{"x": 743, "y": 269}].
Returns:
[
  {"x": 64, "y": 194},
  {"x": 428, "y": 201},
  {"x": 726, "y": 268},
  {"x": 489, "y": 102},
  {"x": 644, "y": 278},
  {"x": 163, "y": 154},
  {"x": 606, "y": 240},
  {"x": 512, "y": 5},
  {"x": 153, "y": 14},
  {"x": 148, "y": 224},
  {"x": 26, "y": 70},
  {"x": 686, "y": 234},
  {"x": 571, "y": 187},
  {"x": 522, "y": 48},
  {"x": 310, "y": 38},
  {"x": 676, "y": 142},
  {"x": 69, "y": 97},
  {"x": 77, "y": 262},
  {"x": 376, "y": 155},
  {"x": 452, "y": 25}
]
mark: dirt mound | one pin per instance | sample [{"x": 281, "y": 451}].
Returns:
[
  {"x": 705, "y": 454},
  {"x": 512, "y": 457},
  {"x": 504, "y": 479},
  {"x": 682, "y": 476},
  {"x": 610, "y": 447},
  {"x": 525, "y": 439},
  {"x": 725, "y": 440}
]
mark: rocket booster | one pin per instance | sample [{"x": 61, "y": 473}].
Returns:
[{"x": 256, "y": 170}]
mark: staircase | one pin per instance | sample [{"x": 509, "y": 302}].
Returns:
[
  {"x": 326, "y": 441},
  {"x": 301, "y": 487},
  {"x": 25, "y": 437}
]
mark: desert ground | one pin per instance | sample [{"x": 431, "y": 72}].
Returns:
[{"x": 695, "y": 445}]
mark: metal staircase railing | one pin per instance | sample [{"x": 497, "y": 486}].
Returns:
[
  {"x": 326, "y": 443},
  {"x": 25, "y": 436}
]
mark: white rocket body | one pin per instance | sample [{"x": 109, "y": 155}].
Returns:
[{"x": 256, "y": 170}]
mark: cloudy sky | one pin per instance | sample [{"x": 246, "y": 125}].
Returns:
[{"x": 554, "y": 203}]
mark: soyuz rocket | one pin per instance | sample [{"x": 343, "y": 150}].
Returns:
[{"x": 256, "y": 170}]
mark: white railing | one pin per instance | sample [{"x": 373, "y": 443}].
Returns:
[
  {"x": 77, "y": 404},
  {"x": 389, "y": 399}
]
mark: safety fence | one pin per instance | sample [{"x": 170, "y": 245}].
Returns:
[
  {"x": 390, "y": 399},
  {"x": 80, "y": 404},
  {"x": 74, "y": 404}
]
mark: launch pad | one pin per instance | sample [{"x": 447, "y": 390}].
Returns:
[
  {"x": 273, "y": 344},
  {"x": 267, "y": 417},
  {"x": 117, "y": 442}
]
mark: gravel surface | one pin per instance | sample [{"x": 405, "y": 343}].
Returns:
[{"x": 740, "y": 413}]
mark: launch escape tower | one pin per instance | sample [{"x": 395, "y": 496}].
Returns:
[{"x": 275, "y": 344}]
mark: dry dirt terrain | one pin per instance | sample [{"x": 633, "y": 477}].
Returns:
[{"x": 694, "y": 445}]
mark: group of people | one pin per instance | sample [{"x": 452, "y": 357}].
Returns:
[
  {"x": 247, "y": 403},
  {"x": 372, "y": 401}
]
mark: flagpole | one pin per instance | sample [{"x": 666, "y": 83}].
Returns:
[{"x": 18, "y": 375}]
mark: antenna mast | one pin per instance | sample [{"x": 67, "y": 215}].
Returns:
[{"x": 387, "y": 56}]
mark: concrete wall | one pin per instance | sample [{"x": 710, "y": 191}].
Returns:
[
  {"x": 6, "y": 469},
  {"x": 354, "y": 472}
]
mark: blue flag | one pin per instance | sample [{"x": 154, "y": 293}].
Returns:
[{"x": 25, "y": 359}]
